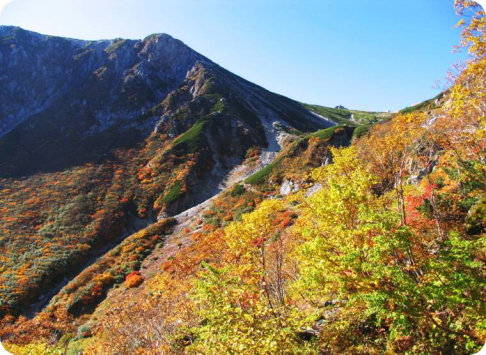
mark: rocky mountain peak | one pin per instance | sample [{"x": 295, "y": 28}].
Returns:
[{"x": 84, "y": 96}]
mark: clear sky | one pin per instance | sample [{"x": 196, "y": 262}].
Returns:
[{"x": 363, "y": 54}]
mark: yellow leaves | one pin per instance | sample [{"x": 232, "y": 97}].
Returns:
[
  {"x": 33, "y": 349},
  {"x": 104, "y": 279},
  {"x": 337, "y": 226},
  {"x": 462, "y": 120},
  {"x": 239, "y": 319},
  {"x": 460, "y": 23},
  {"x": 390, "y": 144},
  {"x": 474, "y": 27},
  {"x": 243, "y": 236},
  {"x": 83, "y": 247},
  {"x": 150, "y": 322}
]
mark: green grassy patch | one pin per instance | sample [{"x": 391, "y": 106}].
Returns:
[
  {"x": 419, "y": 107},
  {"x": 219, "y": 105},
  {"x": 423, "y": 106},
  {"x": 213, "y": 96},
  {"x": 366, "y": 117},
  {"x": 208, "y": 87},
  {"x": 261, "y": 175},
  {"x": 324, "y": 133},
  {"x": 238, "y": 190},
  {"x": 191, "y": 138},
  {"x": 344, "y": 116},
  {"x": 115, "y": 45},
  {"x": 174, "y": 193},
  {"x": 361, "y": 131},
  {"x": 339, "y": 116},
  {"x": 7, "y": 38}
]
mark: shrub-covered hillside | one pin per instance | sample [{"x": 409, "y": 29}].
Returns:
[{"x": 343, "y": 244}]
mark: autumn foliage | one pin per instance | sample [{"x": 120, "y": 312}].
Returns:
[
  {"x": 381, "y": 249},
  {"x": 133, "y": 279}
]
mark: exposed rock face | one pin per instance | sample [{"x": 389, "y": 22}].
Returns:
[
  {"x": 342, "y": 137},
  {"x": 65, "y": 102},
  {"x": 109, "y": 79},
  {"x": 287, "y": 187}
]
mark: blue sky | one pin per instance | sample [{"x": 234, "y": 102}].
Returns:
[{"x": 363, "y": 54}]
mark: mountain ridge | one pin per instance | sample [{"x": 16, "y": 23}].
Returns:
[{"x": 114, "y": 86}]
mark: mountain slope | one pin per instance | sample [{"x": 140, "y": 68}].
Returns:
[
  {"x": 85, "y": 98},
  {"x": 98, "y": 139},
  {"x": 376, "y": 246}
]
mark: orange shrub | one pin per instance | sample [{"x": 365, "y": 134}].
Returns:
[{"x": 133, "y": 279}]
